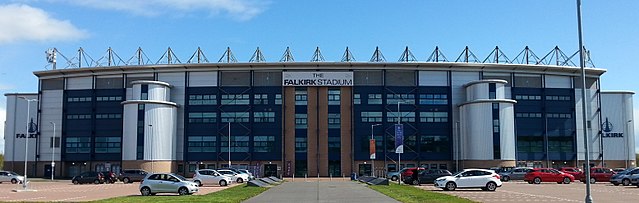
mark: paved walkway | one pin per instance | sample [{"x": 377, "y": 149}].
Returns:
[{"x": 322, "y": 191}]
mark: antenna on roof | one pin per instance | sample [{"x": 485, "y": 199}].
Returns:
[
  {"x": 199, "y": 56},
  {"x": 377, "y": 56},
  {"x": 169, "y": 57},
  {"x": 111, "y": 57},
  {"x": 527, "y": 57},
  {"x": 497, "y": 56},
  {"x": 437, "y": 56},
  {"x": 348, "y": 56},
  {"x": 287, "y": 57},
  {"x": 227, "y": 57},
  {"x": 257, "y": 56},
  {"x": 556, "y": 56},
  {"x": 407, "y": 56},
  {"x": 317, "y": 56},
  {"x": 467, "y": 56},
  {"x": 140, "y": 56}
]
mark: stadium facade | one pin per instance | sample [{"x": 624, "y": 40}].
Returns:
[{"x": 317, "y": 118}]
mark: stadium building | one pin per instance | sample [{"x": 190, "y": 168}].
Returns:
[{"x": 315, "y": 118}]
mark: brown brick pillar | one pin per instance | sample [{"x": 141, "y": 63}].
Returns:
[
  {"x": 322, "y": 120},
  {"x": 346, "y": 105},
  {"x": 313, "y": 130},
  {"x": 289, "y": 130}
]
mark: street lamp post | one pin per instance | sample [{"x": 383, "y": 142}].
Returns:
[
  {"x": 53, "y": 151},
  {"x": 229, "y": 144},
  {"x": 588, "y": 198},
  {"x": 374, "y": 151},
  {"x": 26, "y": 142},
  {"x": 151, "y": 145}
]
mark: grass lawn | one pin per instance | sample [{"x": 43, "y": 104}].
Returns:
[
  {"x": 407, "y": 193},
  {"x": 234, "y": 194}
]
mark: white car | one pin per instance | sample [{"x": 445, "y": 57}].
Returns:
[
  {"x": 251, "y": 176},
  {"x": 239, "y": 177},
  {"x": 487, "y": 180},
  {"x": 9, "y": 176},
  {"x": 210, "y": 176},
  {"x": 166, "y": 183}
]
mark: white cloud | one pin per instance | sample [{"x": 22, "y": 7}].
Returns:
[
  {"x": 19, "y": 22},
  {"x": 238, "y": 9}
]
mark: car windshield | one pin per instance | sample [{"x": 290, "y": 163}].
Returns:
[
  {"x": 13, "y": 173},
  {"x": 179, "y": 177},
  {"x": 626, "y": 171},
  {"x": 455, "y": 174}
]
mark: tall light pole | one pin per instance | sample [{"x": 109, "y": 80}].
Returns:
[
  {"x": 399, "y": 155},
  {"x": 583, "y": 103},
  {"x": 229, "y": 144},
  {"x": 373, "y": 151},
  {"x": 53, "y": 151},
  {"x": 26, "y": 142},
  {"x": 151, "y": 146}
]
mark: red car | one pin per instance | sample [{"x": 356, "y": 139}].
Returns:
[
  {"x": 576, "y": 172},
  {"x": 538, "y": 175},
  {"x": 410, "y": 171},
  {"x": 598, "y": 174}
]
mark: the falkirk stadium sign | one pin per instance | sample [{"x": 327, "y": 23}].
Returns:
[
  {"x": 317, "y": 79},
  {"x": 608, "y": 128}
]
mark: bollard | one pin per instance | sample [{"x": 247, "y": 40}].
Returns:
[
  {"x": 305, "y": 177},
  {"x": 293, "y": 178},
  {"x": 331, "y": 177}
]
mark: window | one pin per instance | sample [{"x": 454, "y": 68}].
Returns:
[
  {"x": 433, "y": 99},
  {"x": 79, "y": 145},
  {"x": 78, "y": 99},
  {"x": 202, "y": 117},
  {"x": 495, "y": 125},
  {"x": 527, "y": 97},
  {"x": 334, "y": 121},
  {"x": 404, "y": 98},
  {"x": 301, "y": 97},
  {"x": 56, "y": 142},
  {"x": 333, "y": 97},
  {"x": 235, "y": 117},
  {"x": 334, "y": 144},
  {"x": 108, "y": 144},
  {"x": 78, "y": 116},
  {"x": 300, "y": 144},
  {"x": 301, "y": 121},
  {"x": 405, "y": 116},
  {"x": 371, "y": 117},
  {"x": 528, "y": 115},
  {"x": 374, "y": 98},
  {"x": 235, "y": 99},
  {"x": 530, "y": 144},
  {"x": 278, "y": 98},
  {"x": 202, "y": 143},
  {"x": 434, "y": 143},
  {"x": 558, "y": 115},
  {"x": 260, "y": 99},
  {"x": 263, "y": 143},
  {"x": 560, "y": 144},
  {"x": 357, "y": 99},
  {"x": 108, "y": 116},
  {"x": 557, "y": 98},
  {"x": 492, "y": 91},
  {"x": 202, "y": 99},
  {"x": 433, "y": 117},
  {"x": 108, "y": 98},
  {"x": 238, "y": 143},
  {"x": 264, "y": 117}
]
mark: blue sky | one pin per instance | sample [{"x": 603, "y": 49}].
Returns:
[{"x": 29, "y": 27}]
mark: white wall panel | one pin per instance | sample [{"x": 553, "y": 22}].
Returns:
[
  {"x": 17, "y": 111},
  {"x": 459, "y": 79},
  {"x": 617, "y": 111},
  {"x": 177, "y": 95},
  {"x": 80, "y": 83},
  {"x": 433, "y": 78},
  {"x": 51, "y": 111},
  {"x": 202, "y": 79},
  {"x": 477, "y": 91},
  {"x": 159, "y": 138},
  {"x": 507, "y": 131},
  {"x": 593, "y": 118},
  {"x": 130, "y": 132},
  {"x": 556, "y": 81},
  {"x": 477, "y": 131}
]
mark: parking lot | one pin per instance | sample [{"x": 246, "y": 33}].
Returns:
[
  {"x": 547, "y": 192},
  {"x": 66, "y": 191}
]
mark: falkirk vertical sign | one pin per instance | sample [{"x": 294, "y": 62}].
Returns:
[
  {"x": 317, "y": 78},
  {"x": 399, "y": 138}
]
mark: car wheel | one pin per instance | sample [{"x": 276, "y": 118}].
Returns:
[
  {"x": 240, "y": 180},
  {"x": 530, "y": 182},
  {"x": 223, "y": 183},
  {"x": 14, "y": 181},
  {"x": 625, "y": 182},
  {"x": 593, "y": 180},
  {"x": 183, "y": 191},
  {"x": 537, "y": 180},
  {"x": 506, "y": 178},
  {"x": 199, "y": 184},
  {"x": 75, "y": 182},
  {"x": 615, "y": 184},
  {"x": 567, "y": 180},
  {"x": 491, "y": 186},
  {"x": 126, "y": 180},
  {"x": 96, "y": 181},
  {"x": 145, "y": 191},
  {"x": 415, "y": 182},
  {"x": 394, "y": 178},
  {"x": 451, "y": 186}
]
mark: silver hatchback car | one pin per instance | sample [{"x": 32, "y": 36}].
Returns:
[{"x": 166, "y": 183}]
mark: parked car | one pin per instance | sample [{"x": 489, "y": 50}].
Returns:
[
  {"x": 132, "y": 175},
  {"x": 516, "y": 173},
  {"x": 538, "y": 175},
  {"x": 427, "y": 176},
  {"x": 394, "y": 176},
  {"x": 109, "y": 177},
  {"x": 251, "y": 176},
  {"x": 598, "y": 174},
  {"x": 487, "y": 180},
  {"x": 88, "y": 177},
  {"x": 210, "y": 176},
  {"x": 623, "y": 177},
  {"x": 239, "y": 177},
  {"x": 166, "y": 183},
  {"x": 634, "y": 179},
  {"x": 617, "y": 170},
  {"x": 240, "y": 171},
  {"x": 10, "y": 176},
  {"x": 575, "y": 172},
  {"x": 410, "y": 171}
]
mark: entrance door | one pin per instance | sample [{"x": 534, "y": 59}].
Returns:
[
  {"x": 365, "y": 170},
  {"x": 47, "y": 171},
  {"x": 270, "y": 170}
]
